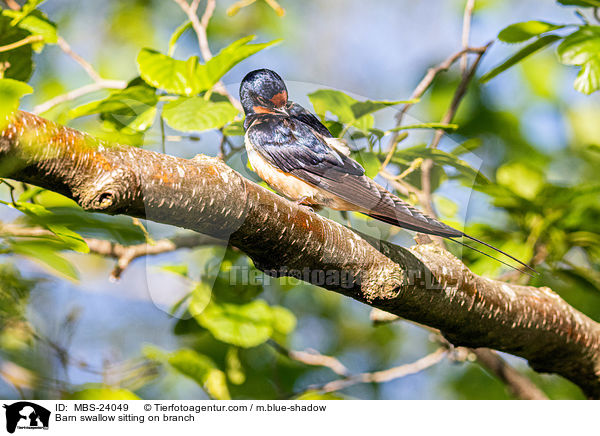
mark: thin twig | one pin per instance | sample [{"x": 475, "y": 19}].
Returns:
[
  {"x": 313, "y": 358},
  {"x": 99, "y": 82},
  {"x": 458, "y": 96},
  {"x": 466, "y": 31},
  {"x": 28, "y": 40},
  {"x": 518, "y": 385},
  {"x": 84, "y": 64},
  {"x": 79, "y": 92},
  {"x": 427, "y": 165},
  {"x": 387, "y": 374},
  {"x": 432, "y": 72},
  {"x": 125, "y": 254},
  {"x": 12, "y": 4},
  {"x": 199, "y": 26}
]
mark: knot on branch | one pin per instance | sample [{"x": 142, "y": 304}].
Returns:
[{"x": 111, "y": 192}]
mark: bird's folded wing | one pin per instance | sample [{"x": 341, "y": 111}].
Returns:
[{"x": 295, "y": 148}]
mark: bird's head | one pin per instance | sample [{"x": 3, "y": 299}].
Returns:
[{"x": 263, "y": 91}]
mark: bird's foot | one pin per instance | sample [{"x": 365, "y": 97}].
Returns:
[{"x": 304, "y": 203}]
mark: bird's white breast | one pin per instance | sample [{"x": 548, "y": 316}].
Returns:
[{"x": 292, "y": 187}]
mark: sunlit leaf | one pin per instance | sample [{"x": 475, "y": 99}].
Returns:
[
  {"x": 582, "y": 3},
  {"x": 467, "y": 146},
  {"x": 195, "y": 114},
  {"x": 315, "y": 395},
  {"x": 235, "y": 370},
  {"x": 179, "y": 269},
  {"x": 582, "y": 47},
  {"x": 244, "y": 325},
  {"x": 19, "y": 59},
  {"x": 176, "y": 35},
  {"x": 445, "y": 206},
  {"x": 164, "y": 72},
  {"x": 284, "y": 320},
  {"x": 102, "y": 393},
  {"x": 200, "y": 298},
  {"x": 442, "y": 126},
  {"x": 528, "y": 50},
  {"x": 202, "y": 370},
  {"x": 440, "y": 157},
  {"x": 520, "y": 32},
  {"x": 230, "y": 56},
  {"x": 235, "y": 128},
  {"x": 347, "y": 109},
  {"x": 521, "y": 179},
  {"x": 133, "y": 107},
  {"x": 27, "y": 8},
  {"x": 11, "y": 92},
  {"x": 47, "y": 252},
  {"x": 36, "y": 23},
  {"x": 71, "y": 239},
  {"x": 14, "y": 295},
  {"x": 369, "y": 161},
  {"x": 190, "y": 77}
]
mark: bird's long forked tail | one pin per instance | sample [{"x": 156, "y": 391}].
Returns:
[
  {"x": 436, "y": 228},
  {"x": 495, "y": 258}
]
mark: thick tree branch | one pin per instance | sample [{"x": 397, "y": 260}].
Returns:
[{"x": 425, "y": 284}]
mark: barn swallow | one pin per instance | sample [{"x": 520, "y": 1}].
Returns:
[{"x": 291, "y": 150}]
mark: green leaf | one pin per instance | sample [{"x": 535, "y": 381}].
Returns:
[
  {"x": 406, "y": 156},
  {"x": 164, "y": 72},
  {"x": 582, "y": 3},
  {"x": 36, "y": 23},
  {"x": 347, "y": 109},
  {"x": 588, "y": 79},
  {"x": 520, "y": 179},
  {"x": 47, "y": 252},
  {"x": 200, "y": 298},
  {"x": 133, "y": 107},
  {"x": 284, "y": 321},
  {"x": 176, "y": 35},
  {"x": 179, "y": 269},
  {"x": 230, "y": 56},
  {"x": 582, "y": 47},
  {"x": 442, "y": 126},
  {"x": 235, "y": 128},
  {"x": 445, "y": 206},
  {"x": 71, "y": 239},
  {"x": 468, "y": 146},
  {"x": 369, "y": 161},
  {"x": 190, "y": 77},
  {"x": 195, "y": 114},
  {"x": 315, "y": 396},
  {"x": 245, "y": 325},
  {"x": 14, "y": 295},
  {"x": 520, "y": 32},
  {"x": 102, "y": 393},
  {"x": 21, "y": 58},
  {"x": 11, "y": 92},
  {"x": 526, "y": 51},
  {"x": 235, "y": 370},
  {"x": 202, "y": 370}
]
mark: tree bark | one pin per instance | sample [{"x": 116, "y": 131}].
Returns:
[{"x": 425, "y": 283}]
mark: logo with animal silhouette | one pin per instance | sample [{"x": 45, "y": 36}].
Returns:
[{"x": 26, "y": 415}]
